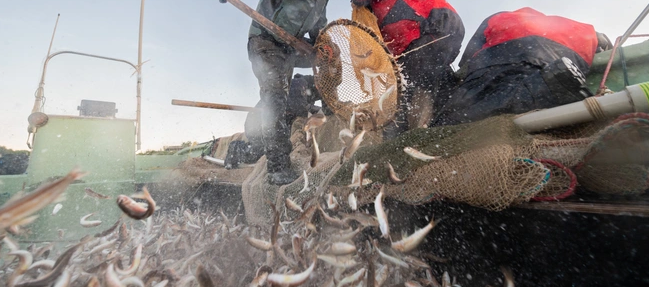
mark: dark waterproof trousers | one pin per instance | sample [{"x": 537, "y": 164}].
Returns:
[
  {"x": 505, "y": 89},
  {"x": 272, "y": 64}
]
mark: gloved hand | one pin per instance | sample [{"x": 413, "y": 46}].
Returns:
[
  {"x": 310, "y": 40},
  {"x": 603, "y": 43}
]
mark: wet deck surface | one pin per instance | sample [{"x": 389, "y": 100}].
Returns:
[{"x": 543, "y": 248}]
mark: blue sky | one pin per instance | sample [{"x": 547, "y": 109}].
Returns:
[{"x": 196, "y": 50}]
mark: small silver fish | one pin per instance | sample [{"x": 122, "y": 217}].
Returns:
[
  {"x": 25, "y": 260},
  {"x": 391, "y": 259},
  {"x": 260, "y": 280},
  {"x": 293, "y": 279},
  {"x": 338, "y": 261},
  {"x": 345, "y": 134},
  {"x": 411, "y": 242},
  {"x": 89, "y": 223},
  {"x": 306, "y": 182},
  {"x": 92, "y": 193},
  {"x": 381, "y": 215},
  {"x": 419, "y": 155},
  {"x": 56, "y": 209},
  {"x": 353, "y": 146},
  {"x": 446, "y": 279},
  {"x": 342, "y": 248},
  {"x": 16, "y": 210},
  {"x": 509, "y": 276},
  {"x": 358, "y": 178},
  {"x": 315, "y": 154},
  {"x": 332, "y": 202},
  {"x": 290, "y": 204},
  {"x": 411, "y": 283},
  {"x": 352, "y": 279},
  {"x": 393, "y": 175},
  {"x": 136, "y": 257},
  {"x": 351, "y": 199},
  {"x": 385, "y": 95},
  {"x": 370, "y": 73},
  {"x": 314, "y": 121},
  {"x": 110, "y": 277},
  {"x": 259, "y": 244},
  {"x": 134, "y": 209}
]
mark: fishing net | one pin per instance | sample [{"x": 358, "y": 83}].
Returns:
[
  {"x": 484, "y": 164},
  {"x": 354, "y": 71},
  {"x": 491, "y": 164},
  {"x": 615, "y": 162}
]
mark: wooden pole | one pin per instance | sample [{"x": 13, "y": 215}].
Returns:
[
  {"x": 296, "y": 43},
  {"x": 213, "y": 106}
]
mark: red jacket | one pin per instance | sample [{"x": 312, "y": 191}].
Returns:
[
  {"x": 527, "y": 35},
  {"x": 403, "y": 21}
]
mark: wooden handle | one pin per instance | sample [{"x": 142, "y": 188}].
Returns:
[
  {"x": 296, "y": 43},
  {"x": 213, "y": 106}
]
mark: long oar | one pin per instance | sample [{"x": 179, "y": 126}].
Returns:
[{"x": 213, "y": 106}]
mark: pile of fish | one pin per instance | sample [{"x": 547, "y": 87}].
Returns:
[{"x": 320, "y": 246}]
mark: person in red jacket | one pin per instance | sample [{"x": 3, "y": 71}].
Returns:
[
  {"x": 408, "y": 25},
  {"x": 521, "y": 61}
]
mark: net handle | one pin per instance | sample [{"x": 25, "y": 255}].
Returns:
[{"x": 296, "y": 43}]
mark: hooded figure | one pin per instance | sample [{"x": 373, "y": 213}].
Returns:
[
  {"x": 272, "y": 63},
  {"x": 521, "y": 61}
]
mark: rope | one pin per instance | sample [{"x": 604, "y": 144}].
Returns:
[
  {"x": 422, "y": 46},
  {"x": 571, "y": 186},
  {"x": 625, "y": 72},
  {"x": 594, "y": 108}
]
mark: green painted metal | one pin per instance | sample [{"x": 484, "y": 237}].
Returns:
[
  {"x": 77, "y": 205},
  {"x": 149, "y": 176},
  {"x": 10, "y": 184},
  {"x": 154, "y": 168},
  {"x": 154, "y": 162},
  {"x": 105, "y": 149},
  {"x": 637, "y": 64}
]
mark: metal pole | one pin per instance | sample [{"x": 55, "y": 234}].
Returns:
[
  {"x": 634, "y": 25},
  {"x": 618, "y": 43},
  {"x": 39, "y": 93},
  {"x": 138, "y": 118}
]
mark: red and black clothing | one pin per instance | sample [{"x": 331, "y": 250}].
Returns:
[
  {"x": 520, "y": 61},
  {"x": 404, "y": 21},
  {"x": 409, "y": 24},
  {"x": 529, "y": 36}
]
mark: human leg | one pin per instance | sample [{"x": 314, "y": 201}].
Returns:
[{"x": 272, "y": 65}]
